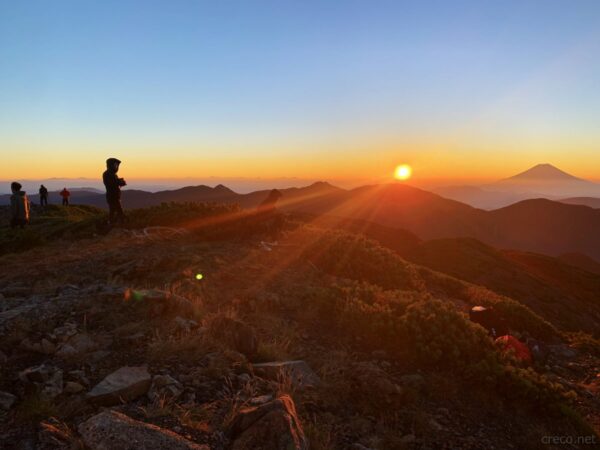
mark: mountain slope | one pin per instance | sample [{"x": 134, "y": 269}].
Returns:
[
  {"x": 374, "y": 328},
  {"x": 561, "y": 293}
]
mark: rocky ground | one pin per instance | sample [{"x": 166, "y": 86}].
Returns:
[{"x": 157, "y": 339}]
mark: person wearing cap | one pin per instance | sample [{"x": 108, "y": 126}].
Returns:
[{"x": 113, "y": 186}]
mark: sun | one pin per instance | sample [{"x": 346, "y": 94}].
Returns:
[{"x": 403, "y": 172}]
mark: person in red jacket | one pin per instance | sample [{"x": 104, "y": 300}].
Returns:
[{"x": 65, "y": 196}]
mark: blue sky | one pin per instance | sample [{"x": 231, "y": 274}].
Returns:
[{"x": 299, "y": 82}]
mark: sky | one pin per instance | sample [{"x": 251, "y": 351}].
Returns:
[{"x": 466, "y": 91}]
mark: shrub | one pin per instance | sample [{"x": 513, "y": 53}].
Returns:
[{"x": 358, "y": 258}]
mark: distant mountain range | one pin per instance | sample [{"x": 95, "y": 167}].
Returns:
[
  {"x": 592, "y": 202},
  {"x": 536, "y": 225},
  {"x": 540, "y": 181}
]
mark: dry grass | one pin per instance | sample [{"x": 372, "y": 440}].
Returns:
[
  {"x": 277, "y": 349},
  {"x": 161, "y": 407},
  {"x": 61, "y": 434},
  {"x": 321, "y": 435}
]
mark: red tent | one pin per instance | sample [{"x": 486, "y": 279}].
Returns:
[{"x": 521, "y": 350}]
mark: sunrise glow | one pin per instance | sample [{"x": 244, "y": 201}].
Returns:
[{"x": 403, "y": 172}]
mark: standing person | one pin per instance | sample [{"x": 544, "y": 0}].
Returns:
[
  {"x": 43, "y": 196},
  {"x": 19, "y": 206},
  {"x": 65, "y": 196},
  {"x": 113, "y": 186}
]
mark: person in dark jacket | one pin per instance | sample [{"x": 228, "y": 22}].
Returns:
[
  {"x": 113, "y": 186},
  {"x": 65, "y": 194},
  {"x": 43, "y": 196},
  {"x": 19, "y": 206}
]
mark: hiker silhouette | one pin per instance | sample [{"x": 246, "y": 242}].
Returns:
[
  {"x": 43, "y": 195},
  {"x": 65, "y": 194},
  {"x": 19, "y": 206},
  {"x": 113, "y": 186}
]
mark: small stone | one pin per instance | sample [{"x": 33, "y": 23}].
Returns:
[
  {"x": 73, "y": 388},
  {"x": 261, "y": 400},
  {"x": 48, "y": 347},
  {"x": 7, "y": 400},
  {"x": 165, "y": 386},
  {"x": 244, "y": 378},
  {"x": 301, "y": 375},
  {"x": 413, "y": 380},
  {"x": 408, "y": 439}
]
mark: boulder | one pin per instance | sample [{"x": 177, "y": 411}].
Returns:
[
  {"x": 71, "y": 387},
  {"x": 111, "y": 430},
  {"x": 7, "y": 400},
  {"x": 165, "y": 386},
  {"x": 125, "y": 384},
  {"x": 271, "y": 426},
  {"x": 48, "y": 379},
  {"x": 76, "y": 345},
  {"x": 301, "y": 375}
]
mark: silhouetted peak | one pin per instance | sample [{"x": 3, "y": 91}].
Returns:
[
  {"x": 322, "y": 185},
  {"x": 544, "y": 172},
  {"x": 222, "y": 188}
]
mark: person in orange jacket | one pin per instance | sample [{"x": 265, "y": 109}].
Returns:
[{"x": 65, "y": 196}]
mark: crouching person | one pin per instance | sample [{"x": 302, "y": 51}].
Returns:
[{"x": 19, "y": 206}]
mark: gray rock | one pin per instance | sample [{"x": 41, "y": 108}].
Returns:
[
  {"x": 271, "y": 426},
  {"x": 77, "y": 344},
  {"x": 48, "y": 347},
  {"x": 413, "y": 380},
  {"x": 65, "y": 332},
  {"x": 98, "y": 355},
  {"x": 261, "y": 400},
  {"x": 7, "y": 400},
  {"x": 359, "y": 446},
  {"x": 12, "y": 314},
  {"x": 185, "y": 325},
  {"x": 72, "y": 387},
  {"x": 562, "y": 351},
  {"x": 111, "y": 430},
  {"x": 165, "y": 386},
  {"x": 301, "y": 375},
  {"x": 48, "y": 379},
  {"x": 125, "y": 384},
  {"x": 79, "y": 376}
]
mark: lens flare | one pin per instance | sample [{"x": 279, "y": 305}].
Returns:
[{"x": 199, "y": 276}]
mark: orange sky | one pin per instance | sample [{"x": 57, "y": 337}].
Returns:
[{"x": 432, "y": 162}]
